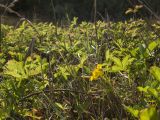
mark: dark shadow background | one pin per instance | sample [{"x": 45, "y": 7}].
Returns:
[{"x": 53, "y": 10}]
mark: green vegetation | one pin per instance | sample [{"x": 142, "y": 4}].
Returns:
[{"x": 80, "y": 71}]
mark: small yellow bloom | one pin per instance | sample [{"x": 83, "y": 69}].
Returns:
[
  {"x": 99, "y": 66},
  {"x": 97, "y": 72}
]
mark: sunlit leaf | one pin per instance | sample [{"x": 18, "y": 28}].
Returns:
[
  {"x": 60, "y": 106},
  {"x": 107, "y": 55},
  {"x": 143, "y": 89},
  {"x": 83, "y": 59},
  {"x": 15, "y": 69},
  {"x": 117, "y": 61},
  {"x": 152, "y": 46},
  {"x": 130, "y": 10},
  {"x": 154, "y": 92},
  {"x": 116, "y": 68},
  {"x": 133, "y": 111},
  {"x": 125, "y": 62},
  {"x": 138, "y": 7},
  {"x": 155, "y": 71},
  {"x": 148, "y": 114},
  {"x": 134, "y": 51}
]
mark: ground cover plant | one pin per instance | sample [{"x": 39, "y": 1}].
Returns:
[{"x": 80, "y": 71}]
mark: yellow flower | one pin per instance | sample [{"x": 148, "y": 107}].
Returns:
[
  {"x": 97, "y": 72},
  {"x": 99, "y": 66}
]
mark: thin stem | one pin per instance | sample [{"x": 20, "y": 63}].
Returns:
[{"x": 47, "y": 91}]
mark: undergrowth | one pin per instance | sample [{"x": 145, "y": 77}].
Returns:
[{"x": 80, "y": 71}]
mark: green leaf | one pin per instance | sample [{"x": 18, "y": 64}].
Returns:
[
  {"x": 143, "y": 89},
  {"x": 152, "y": 46},
  {"x": 155, "y": 71},
  {"x": 116, "y": 68},
  {"x": 34, "y": 70},
  {"x": 133, "y": 111},
  {"x": 125, "y": 62},
  {"x": 59, "y": 106},
  {"x": 142, "y": 49},
  {"x": 117, "y": 61},
  {"x": 62, "y": 72},
  {"x": 154, "y": 92},
  {"x": 148, "y": 114},
  {"x": 15, "y": 69},
  {"x": 83, "y": 59},
  {"x": 107, "y": 55},
  {"x": 134, "y": 51},
  {"x": 35, "y": 66}
]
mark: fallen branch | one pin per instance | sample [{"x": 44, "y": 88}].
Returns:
[
  {"x": 8, "y": 9},
  {"x": 48, "y": 91}
]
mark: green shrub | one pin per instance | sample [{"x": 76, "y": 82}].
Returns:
[{"x": 80, "y": 71}]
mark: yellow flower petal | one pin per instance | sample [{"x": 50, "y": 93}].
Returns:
[
  {"x": 99, "y": 66},
  {"x": 97, "y": 72}
]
